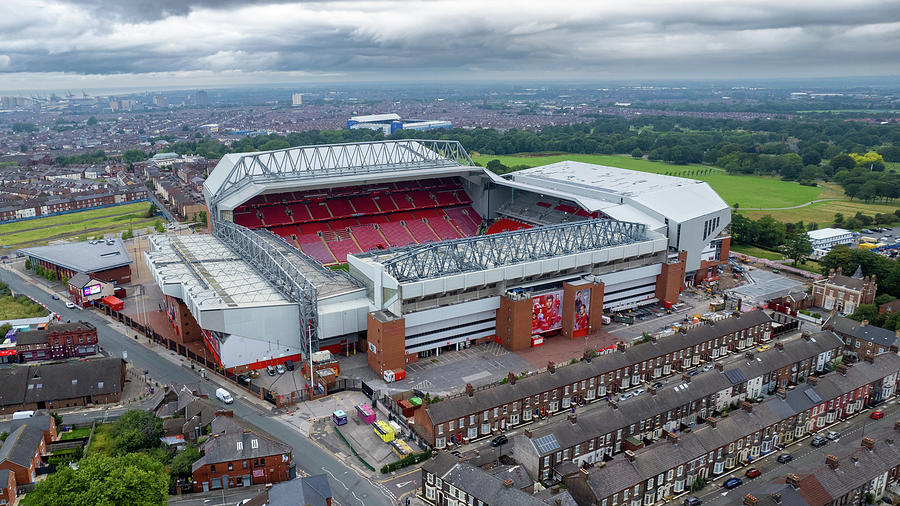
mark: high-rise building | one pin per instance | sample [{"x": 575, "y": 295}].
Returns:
[
  {"x": 160, "y": 101},
  {"x": 201, "y": 98},
  {"x": 297, "y": 99}
]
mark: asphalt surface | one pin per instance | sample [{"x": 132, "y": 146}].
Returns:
[{"x": 347, "y": 487}]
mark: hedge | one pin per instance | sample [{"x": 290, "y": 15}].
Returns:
[{"x": 408, "y": 460}]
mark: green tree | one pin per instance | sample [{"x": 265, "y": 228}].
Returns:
[
  {"x": 92, "y": 121},
  {"x": 57, "y": 418},
  {"x": 152, "y": 210},
  {"x": 865, "y": 312},
  {"x": 797, "y": 247},
  {"x": 842, "y": 161},
  {"x": 136, "y": 430},
  {"x": 274, "y": 144},
  {"x": 134, "y": 155},
  {"x": 134, "y": 479},
  {"x": 181, "y": 464},
  {"x": 637, "y": 153},
  {"x": 3, "y": 436},
  {"x": 497, "y": 167},
  {"x": 158, "y": 225},
  {"x": 128, "y": 234}
]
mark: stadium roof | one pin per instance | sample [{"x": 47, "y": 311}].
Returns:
[
  {"x": 82, "y": 256},
  {"x": 240, "y": 176},
  {"x": 613, "y": 190},
  {"x": 370, "y": 118},
  {"x": 477, "y": 253}
]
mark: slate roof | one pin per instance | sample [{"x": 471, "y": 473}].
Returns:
[
  {"x": 526, "y": 387},
  {"x": 224, "y": 448},
  {"x": 65, "y": 380},
  {"x": 79, "y": 280},
  {"x": 39, "y": 336},
  {"x": 870, "y": 333},
  {"x": 847, "y": 282},
  {"x": 676, "y": 394},
  {"x": 21, "y": 445},
  {"x": 82, "y": 256},
  {"x": 309, "y": 490},
  {"x": 515, "y": 473}
]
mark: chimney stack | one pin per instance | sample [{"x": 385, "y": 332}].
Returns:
[
  {"x": 719, "y": 366},
  {"x": 831, "y": 461},
  {"x": 629, "y": 455},
  {"x": 527, "y": 433},
  {"x": 777, "y": 497},
  {"x": 863, "y": 323},
  {"x": 672, "y": 438},
  {"x": 572, "y": 418},
  {"x": 781, "y": 393},
  {"x": 613, "y": 404},
  {"x": 897, "y": 426},
  {"x": 749, "y": 356},
  {"x": 840, "y": 271},
  {"x": 586, "y": 356},
  {"x": 842, "y": 368},
  {"x": 812, "y": 380},
  {"x": 779, "y": 346},
  {"x": 793, "y": 480},
  {"x": 750, "y": 500},
  {"x": 551, "y": 367},
  {"x": 868, "y": 443},
  {"x": 652, "y": 390},
  {"x": 746, "y": 406},
  {"x": 507, "y": 483},
  {"x": 805, "y": 336},
  {"x": 511, "y": 378},
  {"x": 869, "y": 358},
  {"x": 894, "y": 348},
  {"x": 470, "y": 390},
  {"x": 712, "y": 421},
  {"x": 620, "y": 346},
  {"x": 686, "y": 377}
]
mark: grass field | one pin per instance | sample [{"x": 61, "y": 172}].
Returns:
[
  {"x": 20, "y": 307},
  {"x": 88, "y": 223},
  {"x": 75, "y": 433},
  {"x": 746, "y": 191},
  {"x": 102, "y": 441},
  {"x": 757, "y": 252}
]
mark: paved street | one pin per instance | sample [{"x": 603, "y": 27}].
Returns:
[{"x": 166, "y": 367}]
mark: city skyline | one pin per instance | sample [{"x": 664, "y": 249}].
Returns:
[{"x": 99, "y": 44}]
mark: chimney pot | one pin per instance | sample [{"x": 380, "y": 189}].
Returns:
[
  {"x": 779, "y": 346},
  {"x": 749, "y": 355},
  {"x": 652, "y": 390},
  {"x": 750, "y": 500},
  {"x": 551, "y": 367},
  {"x": 831, "y": 461},
  {"x": 805, "y": 336},
  {"x": 777, "y": 497},
  {"x": 573, "y": 418},
  {"x": 527, "y": 433},
  {"x": 507, "y": 483},
  {"x": 781, "y": 393},
  {"x": 620, "y": 346},
  {"x": 470, "y": 390},
  {"x": 868, "y": 443},
  {"x": 842, "y": 368},
  {"x": 869, "y": 358},
  {"x": 629, "y": 455},
  {"x": 897, "y": 426},
  {"x": 746, "y": 406},
  {"x": 793, "y": 480},
  {"x": 686, "y": 378},
  {"x": 511, "y": 378},
  {"x": 863, "y": 323},
  {"x": 712, "y": 421},
  {"x": 613, "y": 404},
  {"x": 719, "y": 366},
  {"x": 812, "y": 380}
]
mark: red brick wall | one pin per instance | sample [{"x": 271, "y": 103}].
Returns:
[
  {"x": 8, "y": 490},
  {"x": 670, "y": 280},
  {"x": 388, "y": 338},
  {"x": 120, "y": 275},
  {"x": 514, "y": 323},
  {"x": 274, "y": 470}
]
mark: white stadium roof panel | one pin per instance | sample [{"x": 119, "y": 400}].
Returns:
[{"x": 376, "y": 117}]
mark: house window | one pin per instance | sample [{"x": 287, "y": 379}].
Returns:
[
  {"x": 230, "y": 466},
  {"x": 212, "y": 468}
]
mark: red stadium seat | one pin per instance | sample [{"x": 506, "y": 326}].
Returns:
[
  {"x": 285, "y": 230},
  {"x": 300, "y": 213},
  {"x": 385, "y": 204},
  {"x": 340, "y": 208},
  {"x": 318, "y": 251},
  {"x": 319, "y": 211},
  {"x": 421, "y": 199},
  {"x": 369, "y": 238},
  {"x": 340, "y": 249},
  {"x": 444, "y": 229},
  {"x": 446, "y": 198},
  {"x": 248, "y": 219},
  {"x": 376, "y": 218},
  {"x": 396, "y": 234},
  {"x": 421, "y": 232},
  {"x": 364, "y": 205}
]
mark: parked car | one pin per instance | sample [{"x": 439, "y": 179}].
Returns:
[
  {"x": 271, "y": 370},
  {"x": 753, "y": 472},
  {"x": 819, "y": 441},
  {"x": 731, "y": 483},
  {"x": 762, "y": 348},
  {"x": 692, "y": 501},
  {"x": 833, "y": 435},
  {"x": 499, "y": 441},
  {"x": 224, "y": 396},
  {"x": 658, "y": 384},
  {"x": 639, "y": 391},
  {"x": 70, "y": 305},
  {"x": 54, "y": 297},
  {"x": 877, "y": 414},
  {"x": 280, "y": 368},
  {"x": 784, "y": 458},
  {"x": 289, "y": 364}
]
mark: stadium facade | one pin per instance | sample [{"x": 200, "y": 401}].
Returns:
[
  {"x": 391, "y": 122},
  {"x": 409, "y": 246}
]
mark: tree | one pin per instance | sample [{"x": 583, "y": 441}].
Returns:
[
  {"x": 136, "y": 430},
  {"x": 128, "y": 234},
  {"x": 57, "y": 418},
  {"x": 134, "y": 155},
  {"x": 134, "y": 479},
  {"x": 637, "y": 153},
  {"x": 158, "y": 225},
  {"x": 842, "y": 161},
  {"x": 181, "y": 464},
  {"x": 497, "y": 167},
  {"x": 3, "y": 436},
  {"x": 92, "y": 121},
  {"x": 152, "y": 210},
  {"x": 798, "y": 246}
]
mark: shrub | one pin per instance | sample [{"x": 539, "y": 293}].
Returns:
[{"x": 408, "y": 460}]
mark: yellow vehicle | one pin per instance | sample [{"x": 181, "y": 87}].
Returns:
[
  {"x": 401, "y": 448},
  {"x": 383, "y": 430},
  {"x": 866, "y": 245},
  {"x": 763, "y": 348}
]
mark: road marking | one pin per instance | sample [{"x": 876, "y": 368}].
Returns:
[
  {"x": 405, "y": 483},
  {"x": 335, "y": 478}
]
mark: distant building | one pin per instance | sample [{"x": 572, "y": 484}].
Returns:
[
  {"x": 297, "y": 99},
  {"x": 60, "y": 340},
  {"x": 160, "y": 101},
  {"x": 826, "y": 238},
  {"x": 861, "y": 339},
  {"x": 107, "y": 261},
  {"x": 62, "y": 385},
  {"x": 842, "y": 293},
  {"x": 201, "y": 98},
  {"x": 390, "y": 123}
]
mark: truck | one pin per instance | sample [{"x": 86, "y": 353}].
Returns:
[
  {"x": 868, "y": 239},
  {"x": 606, "y": 320},
  {"x": 623, "y": 319},
  {"x": 224, "y": 396},
  {"x": 20, "y": 415},
  {"x": 391, "y": 376}
]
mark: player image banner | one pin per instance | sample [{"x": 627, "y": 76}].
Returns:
[
  {"x": 582, "y": 313},
  {"x": 546, "y": 313}
]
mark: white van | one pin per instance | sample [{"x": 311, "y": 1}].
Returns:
[
  {"x": 224, "y": 396},
  {"x": 19, "y": 415}
]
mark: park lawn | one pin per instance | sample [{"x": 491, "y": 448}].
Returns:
[
  {"x": 757, "y": 252},
  {"x": 136, "y": 207},
  {"x": 75, "y": 433},
  {"x": 746, "y": 191},
  {"x": 823, "y": 213},
  {"x": 91, "y": 228},
  {"x": 102, "y": 440}
]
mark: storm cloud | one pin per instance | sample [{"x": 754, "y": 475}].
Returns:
[{"x": 448, "y": 39}]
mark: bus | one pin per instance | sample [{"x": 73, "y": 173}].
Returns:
[
  {"x": 339, "y": 417},
  {"x": 401, "y": 448},
  {"x": 383, "y": 430},
  {"x": 366, "y": 413}
]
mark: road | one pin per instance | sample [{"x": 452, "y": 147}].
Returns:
[
  {"x": 163, "y": 209},
  {"x": 806, "y": 457},
  {"x": 348, "y": 487}
]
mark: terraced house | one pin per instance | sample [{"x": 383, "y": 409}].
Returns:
[
  {"x": 475, "y": 415},
  {"x": 654, "y": 473},
  {"x": 604, "y": 431}
]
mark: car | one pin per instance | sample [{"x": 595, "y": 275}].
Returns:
[
  {"x": 866, "y": 231},
  {"x": 271, "y": 370},
  {"x": 280, "y": 368},
  {"x": 70, "y": 305},
  {"x": 784, "y": 458},
  {"x": 877, "y": 414},
  {"x": 289, "y": 364},
  {"x": 833, "y": 435},
  {"x": 624, "y": 396},
  {"x": 707, "y": 367},
  {"x": 819, "y": 441},
  {"x": 763, "y": 348},
  {"x": 692, "y": 501},
  {"x": 753, "y": 472},
  {"x": 499, "y": 441},
  {"x": 693, "y": 373},
  {"x": 638, "y": 392},
  {"x": 658, "y": 384},
  {"x": 54, "y": 297},
  {"x": 731, "y": 483}
]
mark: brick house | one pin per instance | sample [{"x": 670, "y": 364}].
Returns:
[
  {"x": 7, "y": 487},
  {"x": 236, "y": 457},
  {"x": 62, "y": 385},
  {"x": 842, "y": 293},
  {"x": 21, "y": 453},
  {"x": 58, "y": 340},
  {"x": 861, "y": 339}
]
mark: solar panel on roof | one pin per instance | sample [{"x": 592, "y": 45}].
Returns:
[
  {"x": 813, "y": 396},
  {"x": 735, "y": 376},
  {"x": 547, "y": 443}
]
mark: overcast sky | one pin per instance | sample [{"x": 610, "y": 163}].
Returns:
[{"x": 155, "y": 43}]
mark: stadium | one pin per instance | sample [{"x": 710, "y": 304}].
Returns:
[{"x": 406, "y": 248}]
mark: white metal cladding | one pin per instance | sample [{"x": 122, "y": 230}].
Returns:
[
  {"x": 236, "y": 171},
  {"x": 536, "y": 250}
]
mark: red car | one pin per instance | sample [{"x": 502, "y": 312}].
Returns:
[
  {"x": 753, "y": 472},
  {"x": 876, "y": 415}
]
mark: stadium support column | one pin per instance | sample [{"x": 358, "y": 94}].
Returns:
[
  {"x": 582, "y": 308},
  {"x": 670, "y": 280},
  {"x": 386, "y": 341},
  {"x": 514, "y": 321}
]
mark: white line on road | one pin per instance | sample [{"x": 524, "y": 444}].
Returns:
[{"x": 335, "y": 478}]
